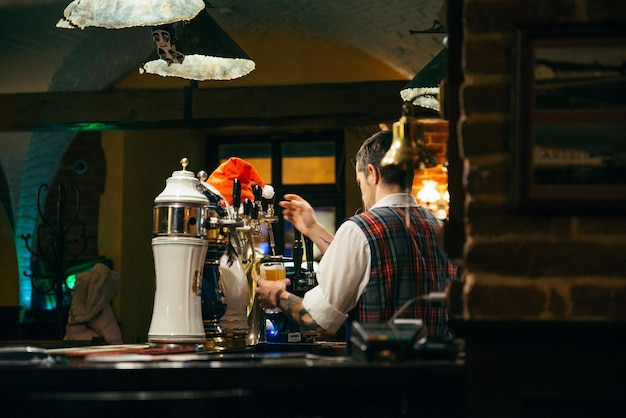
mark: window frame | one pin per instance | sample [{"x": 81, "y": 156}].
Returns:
[{"x": 317, "y": 195}]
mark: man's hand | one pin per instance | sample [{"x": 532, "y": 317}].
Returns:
[
  {"x": 268, "y": 291},
  {"x": 273, "y": 293},
  {"x": 301, "y": 214}
]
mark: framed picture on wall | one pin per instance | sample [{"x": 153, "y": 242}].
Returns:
[{"x": 569, "y": 142}]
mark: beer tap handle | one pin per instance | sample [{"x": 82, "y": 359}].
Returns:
[
  {"x": 254, "y": 212},
  {"x": 236, "y": 197},
  {"x": 297, "y": 255},
  {"x": 245, "y": 232},
  {"x": 257, "y": 191},
  {"x": 247, "y": 211},
  {"x": 247, "y": 208},
  {"x": 310, "y": 271},
  {"x": 269, "y": 197},
  {"x": 309, "y": 254}
]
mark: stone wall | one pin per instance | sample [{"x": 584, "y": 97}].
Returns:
[{"x": 519, "y": 266}]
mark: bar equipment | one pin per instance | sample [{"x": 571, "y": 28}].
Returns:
[
  {"x": 233, "y": 260},
  {"x": 247, "y": 250},
  {"x": 215, "y": 247},
  {"x": 299, "y": 281},
  {"x": 269, "y": 218},
  {"x": 212, "y": 295},
  {"x": 311, "y": 279},
  {"x": 179, "y": 248},
  {"x": 223, "y": 282},
  {"x": 279, "y": 328},
  {"x": 256, "y": 315},
  {"x": 234, "y": 280},
  {"x": 262, "y": 323},
  {"x": 236, "y": 290},
  {"x": 271, "y": 325}
]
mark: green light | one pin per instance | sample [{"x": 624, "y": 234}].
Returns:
[{"x": 70, "y": 281}]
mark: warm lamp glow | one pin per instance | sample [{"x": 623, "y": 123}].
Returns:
[
  {"x": 408, "y": 151},
  {"x": 428, "y": 194},
  {"x": 434, "y": 196}
]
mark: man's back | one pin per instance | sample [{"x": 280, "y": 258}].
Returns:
[{"x": 406, "y": 263}]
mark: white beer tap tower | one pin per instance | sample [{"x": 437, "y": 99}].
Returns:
[{"x": 179, "y": 250}]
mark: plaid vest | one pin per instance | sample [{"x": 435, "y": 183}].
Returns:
[{"x": 406, "y": 263}]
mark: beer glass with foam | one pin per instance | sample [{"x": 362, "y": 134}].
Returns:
[{"x": 273, "y": 270}]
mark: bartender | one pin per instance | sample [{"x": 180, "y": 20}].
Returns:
[{"x": 374, "y": 264}]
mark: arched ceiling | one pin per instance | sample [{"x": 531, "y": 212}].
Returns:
[{"x": 40, "y": 57}]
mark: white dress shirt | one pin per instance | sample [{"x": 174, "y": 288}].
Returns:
[{"x": 344, "y": 271}]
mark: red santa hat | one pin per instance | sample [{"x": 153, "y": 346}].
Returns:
[{"x": 235, "y": 168}]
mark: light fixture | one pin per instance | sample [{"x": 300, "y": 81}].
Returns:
[
  {"x": 423, "y": 90},
  {"x": 428, "y": 194},
  {"x": 197, "y": 50},
  {"x": 435, "y": 197},
  {"x": 408, "y": 150},
  {"x": 118, "y": 14}
]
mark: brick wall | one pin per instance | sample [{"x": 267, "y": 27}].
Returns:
[
  {"x": 554, "y": 267},
  {"x": 435, "y": 135}
]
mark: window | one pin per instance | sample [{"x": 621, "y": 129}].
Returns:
[
  {"x": 308, "y": 164},
  {"x": 317, "y": 157}
]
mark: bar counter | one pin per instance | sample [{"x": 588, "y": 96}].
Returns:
[{"x": 255, "y": 383}]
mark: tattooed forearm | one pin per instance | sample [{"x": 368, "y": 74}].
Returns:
[
  {"x": 292, "y": 306},
  {"x": 307, "y": 323}
]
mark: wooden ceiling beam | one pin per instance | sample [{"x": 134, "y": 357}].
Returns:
[{"x": 315, "y": 105}]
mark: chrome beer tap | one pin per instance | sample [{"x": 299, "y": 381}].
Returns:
[
  {"x": 245, "y": 233},
  {"x": 236, "y": 199},
  {"x": 257, "y": 192},
  {"x": 299, "y": 279},
  {"x": 256, "y": 315},
  {"x": 252, "y": 227},
  {"x": 238, "y": 223},
  {"x": 225, "y": 285},
  {"x": 179, "y": 246},
  {"x": 255, "y": 210},
  {"x": 311, "y": 279},
  {"x": 247, "y": 211},
  {"x": 268, "y": 218},
  {"x": 256, "y": 220}
]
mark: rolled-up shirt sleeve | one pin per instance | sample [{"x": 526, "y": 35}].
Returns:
[{"x": 342, "y": 275}]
